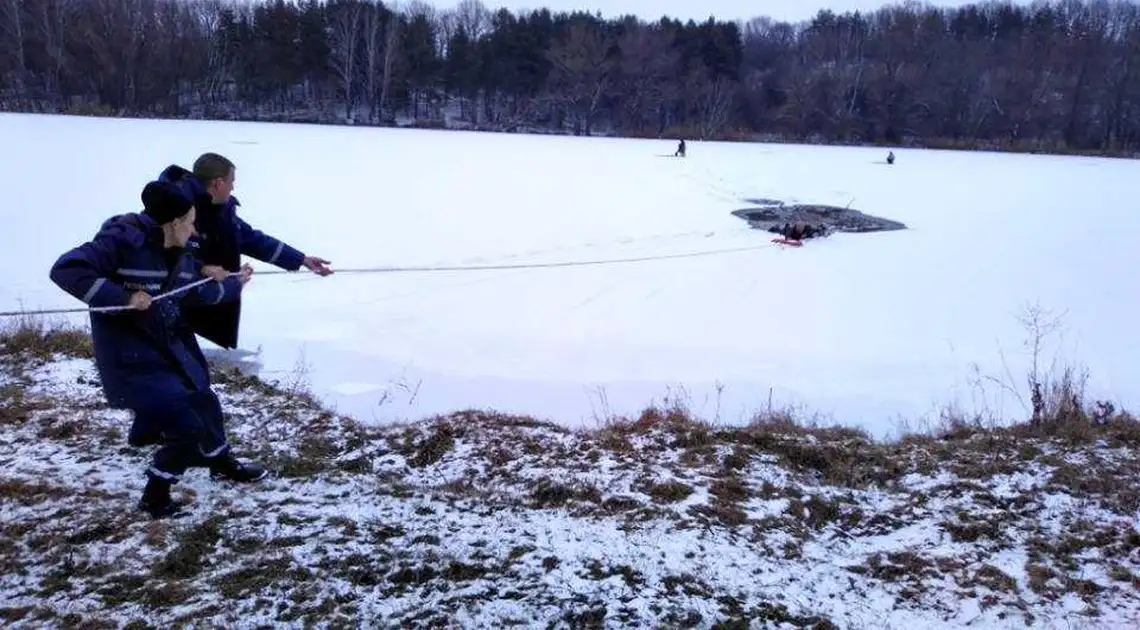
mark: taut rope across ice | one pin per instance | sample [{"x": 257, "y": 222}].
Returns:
[
  {"x": 106, "y": 309},
  {"x": 537, "y": 265},
  {"x": 417, "y": 269}
]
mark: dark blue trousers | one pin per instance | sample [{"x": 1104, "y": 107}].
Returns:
[{"x": 190, "y": 431}]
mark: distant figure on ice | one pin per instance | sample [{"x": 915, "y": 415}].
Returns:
[
  {"x": 223, "y": 238},
  {"x": 680, "y": 152},
  {"x": 891, "y": 157},
  {"x": 799, "y": 231},
  {"x": 148, "y": 359},
  {"x": 813, "y": 231},
  {"x": 790, "y": 231}
]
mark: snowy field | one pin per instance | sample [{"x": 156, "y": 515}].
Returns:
[{"x": 863, "y": 329}]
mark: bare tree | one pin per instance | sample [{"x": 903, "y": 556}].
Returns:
[
  {"x": 648, "y": 66},
  {"x": 373, "y": 28},
  {"x": 391, "y": 53},
  {"x": 1122, "y": 72},
  {"x": 1057, "y": 74},
  {"x": 175, "y": 56},
  {"x": 713, "y": 100},
  {"x": 413, "y": 8},
  {"x": 111, "y": 34},
  {"x": 769, "y": 49},
  {"x": 219, "y": 50},
  {"x": 345, "y": 23},
  {"x": 12, "y": 33},
  {"x": 582, "y": 68},
  {"x": 473, "y": 17},
  {"x": 447, "y": 24},
  {"x": 51, "y": 22}
]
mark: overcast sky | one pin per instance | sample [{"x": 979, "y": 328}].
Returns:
[{"x": 652, "y": 10}]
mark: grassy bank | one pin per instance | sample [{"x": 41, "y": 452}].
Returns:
[{"x": 478, "y": 519}]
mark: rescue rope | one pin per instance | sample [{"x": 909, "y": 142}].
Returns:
[
  {"x": 414, "y": 269},
  {"x": 536, "y": 265},
  {"x": 108, "y": 309}
]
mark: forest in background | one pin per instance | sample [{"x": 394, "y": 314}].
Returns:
[{"x": 1060, "y": 76}]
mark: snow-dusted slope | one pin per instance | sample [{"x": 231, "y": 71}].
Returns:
[{"x": 478, "y": 520}]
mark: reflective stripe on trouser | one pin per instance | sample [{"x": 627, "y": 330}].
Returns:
[{"x": 192, "y": 434}]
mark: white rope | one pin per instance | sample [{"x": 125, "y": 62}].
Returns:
[
  {"x": 108, "y": 309},
  {"x": 546, "y": 265},
  {"x": 499, "y": 267}
]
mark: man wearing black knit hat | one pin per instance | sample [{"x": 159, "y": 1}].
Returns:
[{"x": 148, "y": 359}]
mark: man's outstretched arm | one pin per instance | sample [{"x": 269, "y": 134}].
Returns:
[{"x": 274, "y": 251}]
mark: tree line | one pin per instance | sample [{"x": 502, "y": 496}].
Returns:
[{"x": 1060, "y": 76}]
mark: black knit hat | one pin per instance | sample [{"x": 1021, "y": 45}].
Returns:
[{"x": 164, "y": 202}]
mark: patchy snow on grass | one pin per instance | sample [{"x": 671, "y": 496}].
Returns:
[{"x": 477, "y": 519}]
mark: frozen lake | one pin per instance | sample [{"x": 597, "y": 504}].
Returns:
[{"x": 864, "y": 329}]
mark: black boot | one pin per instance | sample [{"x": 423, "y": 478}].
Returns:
[
  {"x": 228, "y": 467},
  {"x": 156, "y": 500},
  {"x": 140, "y": 436}
]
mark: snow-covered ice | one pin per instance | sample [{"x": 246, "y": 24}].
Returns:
[{"x": 865, "y": 329}]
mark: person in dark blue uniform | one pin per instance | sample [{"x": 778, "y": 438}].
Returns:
[
  {"x": 223, "y": 237},
  {"x": 148, "y": 359}
]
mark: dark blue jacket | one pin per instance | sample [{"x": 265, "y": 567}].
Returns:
[
  {"x": 147, "y": 360},
  {"x": 223, "y": 237}
]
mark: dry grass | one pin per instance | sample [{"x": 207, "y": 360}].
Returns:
[
  {"x": 837, "y": 456},
  {"x": 26, "y": 492},
  {"x": 188, "y": 557},
  {"x": 435, "y": 447},
  {"x": 901, "y": 566},
  {"x": 547, "y": 493},
  {"x": 313, "y": 455},
  {"x": 834, "y": 455},
  {"x": 37, "y": 338},
  {"x": 668, "y": 492},
  {"x": 786, "y": 485},
  {"x": 254, "y": 579},
  {"x": 26, "y": 342}
]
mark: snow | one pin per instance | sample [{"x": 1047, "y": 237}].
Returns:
[
  {"x": 867, "y": 329},
  {"x": 342, "y": 538}
]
